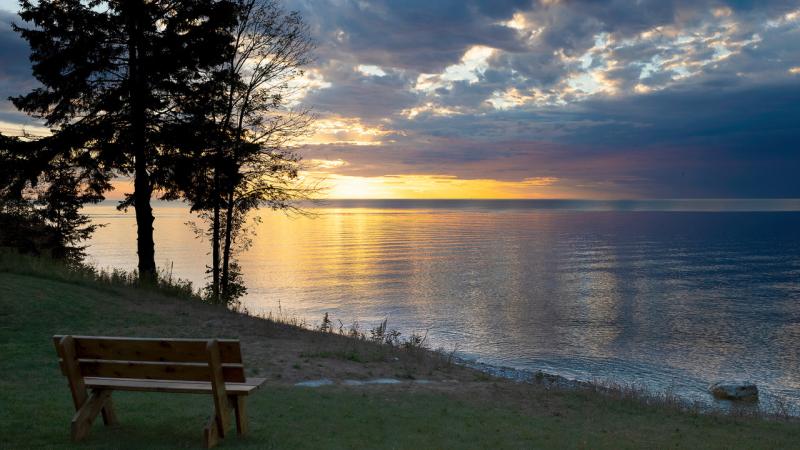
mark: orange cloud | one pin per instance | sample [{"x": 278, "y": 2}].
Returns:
[{"x": 344, "y": 130}]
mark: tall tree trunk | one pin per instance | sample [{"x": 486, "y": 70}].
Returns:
[
  {"x": 226, "y": 252},
  {"x": 145, "y": 246},
  {"x": 143, "y": 188},
  {"x": 215, "y": 241}
]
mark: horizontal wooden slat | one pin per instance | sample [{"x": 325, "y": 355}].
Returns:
[
  {"x": 193, "y": 387},
  {"x": 153, "y": 370},
  {"x": 153, "y": 349}
]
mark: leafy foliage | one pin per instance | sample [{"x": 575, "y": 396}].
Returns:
[{"x": 245, "y": 158}]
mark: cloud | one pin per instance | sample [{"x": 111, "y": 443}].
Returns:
[
  {"x": 355, "y": 93},
  {"x": 15, "y": 73},
  {"x": 657, "y": 98},
  {"x": 417, "y": 35},
  {"x": 653, "y": 98}
]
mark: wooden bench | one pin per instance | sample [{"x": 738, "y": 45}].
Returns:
[{"x": 96, "y": 366}]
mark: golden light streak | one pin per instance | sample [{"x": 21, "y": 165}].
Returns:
[
  {"x": 438, "y": 187},
  {"x": 510, "y": 98},
  {"x": 20, "y": 130},
  {"x": 345, "y": 130},
  {"x": 431, "y": 109},
  {"x": 324, "y": 164}
]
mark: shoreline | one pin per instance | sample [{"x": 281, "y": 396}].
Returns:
[{"x": 765, "y": 406}]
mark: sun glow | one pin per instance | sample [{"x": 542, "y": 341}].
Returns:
[{"x": 419, "y": 186}]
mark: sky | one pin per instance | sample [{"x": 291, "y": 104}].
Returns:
[{"x": 538, "y": 99}]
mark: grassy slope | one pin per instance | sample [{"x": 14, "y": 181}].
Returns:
[{"x": 35, "y": 407}]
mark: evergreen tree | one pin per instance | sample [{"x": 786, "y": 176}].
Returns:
[
  {"x": 113, "y": 75},
  {"x": 58, "y": 199},
  {"x": 42, "y": 215}
]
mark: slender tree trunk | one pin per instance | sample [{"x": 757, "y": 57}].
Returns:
[
  {"x": 226, "y": 252},
  {"x": 215, "y": 241},
  {"x": 143, "y": 188},
  {"x": 145, "y": 245}
]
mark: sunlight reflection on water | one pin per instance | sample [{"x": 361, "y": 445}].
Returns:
[{"x": 670, "y": 299}]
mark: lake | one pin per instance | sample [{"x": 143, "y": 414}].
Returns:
[{"x": 672, "y": 295}]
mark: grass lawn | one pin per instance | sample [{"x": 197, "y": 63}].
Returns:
[{"x": 35, "y": 406}]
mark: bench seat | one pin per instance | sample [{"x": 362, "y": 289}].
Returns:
[{"x": 186, "y": 387}]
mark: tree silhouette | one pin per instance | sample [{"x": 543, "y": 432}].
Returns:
[
  {"x": 244, "y": 158},
  {"x": 112, "y": 76},
  {"x": 42, "y": 214}
]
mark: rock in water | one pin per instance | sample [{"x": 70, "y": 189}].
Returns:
[{"x": 734, "y": 390}]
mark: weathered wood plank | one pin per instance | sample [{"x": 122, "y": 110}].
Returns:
[
  {"x": 71, "y": 369},
  {"x": 189, "y": 387},
  {"x": 153, "y": 349},
  {"x": 218, "y": 388},
  {"x": 84, "y": 417},
  {"x": 153, "y": 370},
  {"x": 109, "y": 414},
  {"x": 211, "y": 433},
  {"x": 239, "y": 404}
]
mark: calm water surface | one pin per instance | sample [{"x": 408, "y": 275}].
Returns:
[{"x": 673, "y": 299}]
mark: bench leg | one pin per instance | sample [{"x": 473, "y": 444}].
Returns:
[
  {"x": 84, "y": 417},
  {"x": 240, "y": 411},
  {"x": 211, "y": 433},
  {"x": 109, "y": 415}
]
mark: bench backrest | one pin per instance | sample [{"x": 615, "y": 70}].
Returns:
[{"x": 147, "y": 358}]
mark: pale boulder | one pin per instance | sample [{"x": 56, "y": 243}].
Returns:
[{"x": 734, "y": 390}]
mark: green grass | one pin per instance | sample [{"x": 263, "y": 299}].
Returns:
[{"x": 35, "y": 407}]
